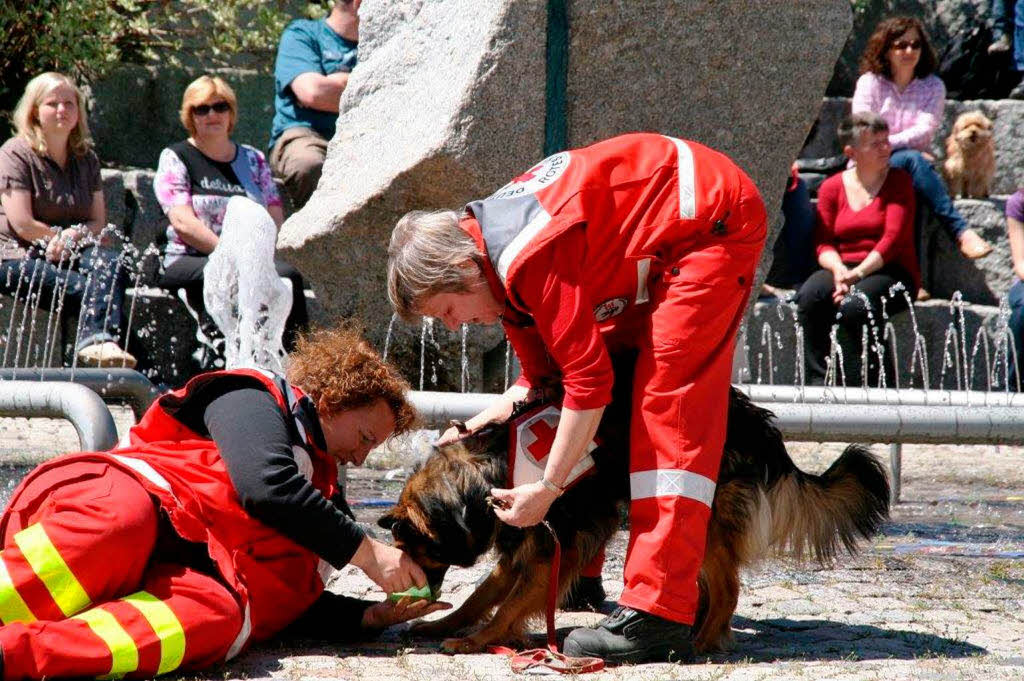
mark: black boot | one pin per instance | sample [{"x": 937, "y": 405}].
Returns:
[
  {"x": 586, "y": 593},
  {"x": 631, "y": 636}
]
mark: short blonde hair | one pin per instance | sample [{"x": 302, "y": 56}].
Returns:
[
  {"x": 201, "y": 89},
  {"x": 427, "y": 255},
  {"x": 26, "y": 114}
]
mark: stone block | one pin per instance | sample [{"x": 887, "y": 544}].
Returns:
[
  {"x": 449, "y": 102},
  {"x": 985, "y": 281},
  {"x": 959, "y": 343},
  {"x": 134, "y": 111}
]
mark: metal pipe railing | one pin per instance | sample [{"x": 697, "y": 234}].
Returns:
[
  {"x": 819, "y": 422},
  {"x": 923, "y": 417},
  {"x": 112, "y": 385},
  {"x": 76, "y": 403},
  {"x": 882, "y": 396}
]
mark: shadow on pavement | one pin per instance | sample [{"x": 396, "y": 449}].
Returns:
[{"x": 786, "y": 639}]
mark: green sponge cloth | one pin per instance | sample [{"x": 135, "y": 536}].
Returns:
[{"x": 414, "y": 592}]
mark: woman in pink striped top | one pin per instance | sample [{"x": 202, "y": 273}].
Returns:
[{"x": 898, "y": 82}]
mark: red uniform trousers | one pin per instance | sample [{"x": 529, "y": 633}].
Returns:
[
  {"x": 680, "y": 406},
  {"x": 79, "y": 595}
]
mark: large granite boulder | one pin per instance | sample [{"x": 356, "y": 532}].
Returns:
[{"x": 448, "y": 102}]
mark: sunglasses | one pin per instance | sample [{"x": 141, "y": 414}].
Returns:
[
  {"x": 204, "y": 109},
  {"x": 901, "y": 45}
]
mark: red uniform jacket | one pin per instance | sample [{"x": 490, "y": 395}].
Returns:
[
  {"x": 576, "y": 243},
  {"x": 276, "y": 580}
]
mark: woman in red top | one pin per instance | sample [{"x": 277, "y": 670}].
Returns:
[{"x": 865, "y": 246}]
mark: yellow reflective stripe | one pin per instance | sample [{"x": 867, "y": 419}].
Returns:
[
  {"x": 123, "y": 650},
  {"x": 12, "y": 607},
  {"x": 166, "y": 625},
  {"x": 48, "y": 565}
]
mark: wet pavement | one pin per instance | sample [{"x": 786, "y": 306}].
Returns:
[{"x": 938, "y": 596}]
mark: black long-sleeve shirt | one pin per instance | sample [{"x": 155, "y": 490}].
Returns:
[{"x": 253, "y": 437}]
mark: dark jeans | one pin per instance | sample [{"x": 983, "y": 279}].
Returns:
[
  {"x": 186, "y": 272},
  {"x": 92, "y": 285},
  {"x": 1007, "y": 18},
  {"x": 929, "y": 187},
  {"x": 1016, "y": 324},
  {"x": 797, "y": 236},
  {"x": 817, "y": 313}
]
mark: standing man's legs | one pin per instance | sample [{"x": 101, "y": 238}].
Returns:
[
  {"x": 1015, "y": 326},
  {"x": 298, "y": 159}
]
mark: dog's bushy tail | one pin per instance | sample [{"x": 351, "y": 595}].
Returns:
[{"x": 816, "y": 516}]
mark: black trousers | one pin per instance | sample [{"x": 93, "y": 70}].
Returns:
[
  {"x": 187, "y": 273},
  {"x": 817, "y": 313}
]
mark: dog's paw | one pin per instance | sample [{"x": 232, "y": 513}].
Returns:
[
  {"x": 430, "y": 629},
  {"x": 464, "y": 645}
]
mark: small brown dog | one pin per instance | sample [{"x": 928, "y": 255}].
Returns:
[{"x": 970, "y": 156}]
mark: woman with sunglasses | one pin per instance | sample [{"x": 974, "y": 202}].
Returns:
[
  {"x": 195, "y": 180},
  {"x": 898, "y": 83}
]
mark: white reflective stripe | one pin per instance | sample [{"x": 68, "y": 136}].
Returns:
[
  {"x": 303, "y": 461},
  {"x": 289, "y": 396},
  {"x": 643, "y": 270},
  {"x": 243, "y": 635},
  {"x": 539, "y": 222},
  {"x": 325, "y": 570},
  {"x": 671, "y": 482},
  {"x": 145, "y": 470},
  {"x": 687, "y": 180}
]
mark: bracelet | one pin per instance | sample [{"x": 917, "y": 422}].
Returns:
[{"x": 552, "y": 486}]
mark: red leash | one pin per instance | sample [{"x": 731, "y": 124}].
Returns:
[{"x": 524, "y": 662}]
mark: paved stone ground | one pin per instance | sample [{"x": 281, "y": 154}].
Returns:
[{"x": 939, "y": 596}]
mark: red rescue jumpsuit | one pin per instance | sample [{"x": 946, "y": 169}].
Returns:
[
  {"x": 650, "y": 243},
  {"x": 79, "y": 593}
]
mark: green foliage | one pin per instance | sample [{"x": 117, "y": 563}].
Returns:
[{"x": 86, "y": 38}]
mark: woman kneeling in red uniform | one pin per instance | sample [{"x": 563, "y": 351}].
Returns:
[
  {"x": 214, "y": 524},
  {"x": 641, "y": 242}
]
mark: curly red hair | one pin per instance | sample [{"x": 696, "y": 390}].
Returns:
[
  {"x": 875, "y": 57},
  {"x": 339, "y": 370}
]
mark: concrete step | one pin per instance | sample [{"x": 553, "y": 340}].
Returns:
[
  {"x": 772, "y": 349},
  {"x": 1008, "y": 127}
]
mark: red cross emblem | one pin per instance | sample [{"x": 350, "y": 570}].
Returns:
[
  {"x": 529, "y": 174},
  {"x": 544, "y": 437}
]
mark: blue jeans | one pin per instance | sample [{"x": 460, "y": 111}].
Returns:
[
  {"x": 1005, "y": 14},
  {"x": 94, "y": 285},
  {"x": 1016, "y": 322},
  {"x": 930, "y": 188},
  {"x": 798, "y": 233}
]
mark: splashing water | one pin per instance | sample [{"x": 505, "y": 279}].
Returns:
[{"x": 242, "y": 290}]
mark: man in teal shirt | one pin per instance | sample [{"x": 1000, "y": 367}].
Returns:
[{"x": 314, "y": 60}]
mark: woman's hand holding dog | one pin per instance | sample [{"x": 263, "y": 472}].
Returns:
[
  {"x": 383, "y": 615},
  {"x": 523, "y": 506},
  {"x": 389, "y": 568},
  {"x": 499, "y": 411}
]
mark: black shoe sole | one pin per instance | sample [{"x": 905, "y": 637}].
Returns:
[{"x": 656, "y": 654}]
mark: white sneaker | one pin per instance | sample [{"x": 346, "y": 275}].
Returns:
[{"x": 106, "y": 354}]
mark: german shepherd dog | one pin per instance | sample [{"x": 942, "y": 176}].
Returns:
[{"x": 763, "y": 505}]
